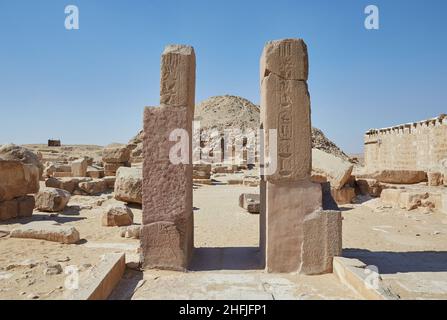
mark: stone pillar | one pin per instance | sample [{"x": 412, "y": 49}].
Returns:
[
  {"x": 167, "y": 233},
  {"x": 288, "y": 194}
]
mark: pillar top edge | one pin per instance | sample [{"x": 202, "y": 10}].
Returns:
[{"x": 178, "y": 49}]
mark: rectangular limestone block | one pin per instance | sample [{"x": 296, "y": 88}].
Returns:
[
  {"x": 79, "y": 168},
  {"x": 322, "y": 241},
  {"x": 177, "y": 84},
  {"x": 336, "y": 170},
  {"x": 286, "y": 206},
  {"x": 285, "y": 107},
  {"x": 102, "y": 279},
  {"x": 167, "y": 186},
  {"x": 47, "y": 230},
  {"x": 165, "y": 246},
  {"x": 286, "y": 58}
]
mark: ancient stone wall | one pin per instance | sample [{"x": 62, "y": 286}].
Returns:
[{"x": 413, "y": 146}]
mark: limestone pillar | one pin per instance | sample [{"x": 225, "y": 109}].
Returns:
[
  {"x": 287, "y": 193},
  {"x": 167, "y": 233}
]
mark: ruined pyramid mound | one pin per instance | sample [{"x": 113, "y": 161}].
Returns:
[{"x": 226, "y": 112}]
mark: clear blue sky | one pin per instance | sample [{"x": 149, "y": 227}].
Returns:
[{"x": 90, "y": 86}]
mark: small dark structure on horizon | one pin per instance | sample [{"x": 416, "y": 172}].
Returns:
[{"x": 54, "y": 143}]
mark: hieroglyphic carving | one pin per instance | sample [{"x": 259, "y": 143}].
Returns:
[{"x": 169, "y": 91}]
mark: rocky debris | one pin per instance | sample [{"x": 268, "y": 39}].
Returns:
[
  {"x": 131, "y": 232},
  {"x": 17, "y": 153},
  {"x": 47, "y": 230},
  {"x": 250, "y": 202},
  {"x": 336, "y": 170},
  {"x": 52, "y": 199},
  {"x": 69, "y": 184},
  {"x": 117, "y": 215},
  {"x": 52, "y": 269},
  {"x": 94, "y": 186},
  {"x": 128, "y": 185},
  {"x": 79, "y": 168},
  {"x": 17, "y": 208},
  {"x": 396, "y": 176}
]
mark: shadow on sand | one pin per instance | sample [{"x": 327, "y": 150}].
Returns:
[
  {"x": 231, "y": 258},
  {"x": 400, "y": 262}
]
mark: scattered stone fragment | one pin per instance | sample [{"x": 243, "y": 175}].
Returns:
[
  {"x": 95, "y": 186},
  {"x": 52, "y": 269},
  {"x": 47, "y": 230},
  {"x": 52, "y": 199},
  {"x": 117, "y": 215},
  {"x": 128, "y": 185}
]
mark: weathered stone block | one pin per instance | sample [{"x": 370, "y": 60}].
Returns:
[
  {"x": 118, "y": 154},
  {"x": 164, "y": 246},
  {"x": 52, "y": 199},
  {"x": 17, "y": 179},
  {"x": 79, "y": 168},
  {"x": 286, "y": 206},
  {"x": 128, "y": 185},
  {"x": 337, "y": 171},
  {"x": 117, "y": 215},
  {"x": 46, "y": 230},
  {"x": 322, "y": 241},
  {"x": 94, "y": 186}
]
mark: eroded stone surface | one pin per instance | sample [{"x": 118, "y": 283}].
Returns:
[{"x": 47, "y": 230}]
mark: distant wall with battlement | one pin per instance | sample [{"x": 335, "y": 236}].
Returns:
[{"x": 413, "y": 146}]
